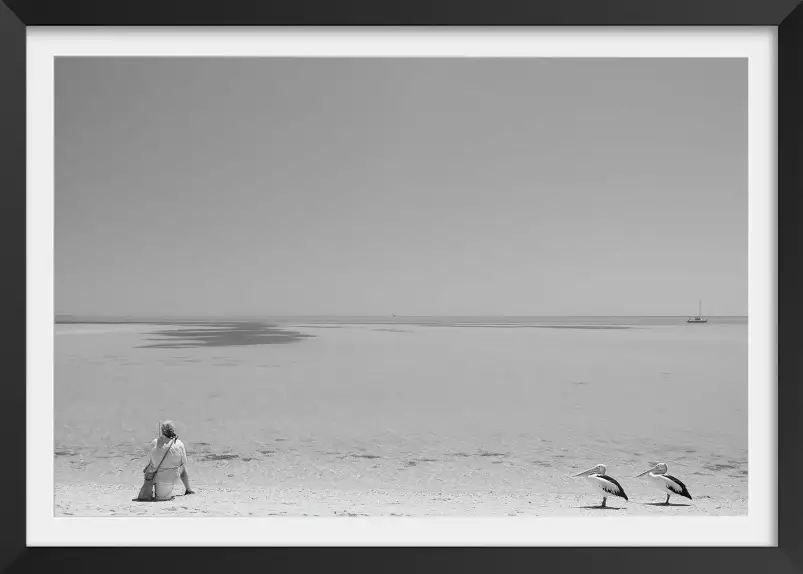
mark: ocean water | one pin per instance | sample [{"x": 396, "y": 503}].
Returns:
[{"x": 407, "y": 403}]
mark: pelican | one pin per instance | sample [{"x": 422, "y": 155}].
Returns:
[
  {"x": 665, "y": 482},
  {"x": 598, "y": 479}
]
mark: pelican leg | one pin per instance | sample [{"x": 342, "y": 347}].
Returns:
[
  {"x": 667, "y": 499},
  {"x": 604, "y": 499}
]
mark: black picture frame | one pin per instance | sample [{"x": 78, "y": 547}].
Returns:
[{"x": 787, "y": 15}]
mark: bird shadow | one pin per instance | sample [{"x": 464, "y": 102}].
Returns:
[
  {"x": 600, "y": 507},
  {"x": 664, "y": 504}
]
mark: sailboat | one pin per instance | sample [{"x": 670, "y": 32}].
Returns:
[{"x": 699, "y": 317}]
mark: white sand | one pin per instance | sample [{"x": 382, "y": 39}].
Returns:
[{"x": 107, "y": 500}]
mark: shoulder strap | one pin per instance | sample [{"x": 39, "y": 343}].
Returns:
[{"x": 165, "y": 455}]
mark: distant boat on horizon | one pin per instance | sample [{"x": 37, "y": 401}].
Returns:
[{"x": 699, "y": 317}]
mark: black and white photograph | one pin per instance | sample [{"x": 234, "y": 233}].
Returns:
[{"x": 400, "y": 287}]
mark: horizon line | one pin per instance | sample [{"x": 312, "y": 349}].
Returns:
[{"x": 321, "y": 315}]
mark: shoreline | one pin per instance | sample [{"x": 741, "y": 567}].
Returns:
[{"x": 96, "y": 500}]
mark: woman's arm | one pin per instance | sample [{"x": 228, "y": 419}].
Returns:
[
  {"x": 183, "y": 454},
  {"x": 185, "y": 478}
]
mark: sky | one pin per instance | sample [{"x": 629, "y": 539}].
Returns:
[{"x": 259, "y": 187}]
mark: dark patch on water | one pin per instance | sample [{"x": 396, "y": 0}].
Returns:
[
  {"x": 410, "y": 463},
  {"x": 279, "y": 439},
  {"x": 65, "y": 453},
  {"x": 541, "y": 463},
  {"x": 224, "y": 335},
  {"x": 392, "y": 330},
  {"x": 246, "y": 459},
  {"x": 266, "y": 452},
  {"x": 219, "y": 457},
  {"x": 369, "y": 456}
]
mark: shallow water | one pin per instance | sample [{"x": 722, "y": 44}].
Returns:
[{"x": 406, "y": 403}]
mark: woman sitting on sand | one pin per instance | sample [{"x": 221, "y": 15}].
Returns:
[{"x": 174, "y": 465}]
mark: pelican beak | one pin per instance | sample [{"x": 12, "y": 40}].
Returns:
[
  {"x": 585, "y": 472},
  {"x": 645, "y": 472}
]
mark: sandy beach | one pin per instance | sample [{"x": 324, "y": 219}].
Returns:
[
  {"x": 108, "y": 500},
  {"x": 408, "y": 418}
]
